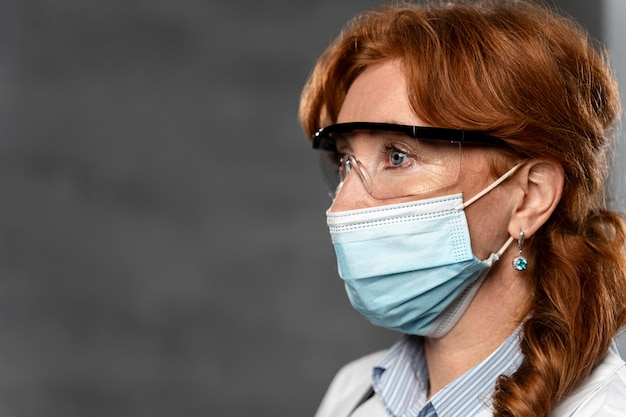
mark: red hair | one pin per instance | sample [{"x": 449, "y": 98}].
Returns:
[{"x": 522, "y": 72}]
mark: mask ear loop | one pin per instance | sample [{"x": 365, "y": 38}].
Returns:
[
  {"x": 493, "y": 185},
  {"x": 494, "y": 256}
]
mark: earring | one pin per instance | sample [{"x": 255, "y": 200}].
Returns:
[{"x": 520, "y": 262}]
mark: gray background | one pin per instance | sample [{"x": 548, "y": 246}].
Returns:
[{"x": 163, "y": 249}]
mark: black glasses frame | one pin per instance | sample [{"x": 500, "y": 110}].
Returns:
[{"x": 323, "y": 140}]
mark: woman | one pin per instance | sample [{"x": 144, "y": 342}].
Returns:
[{"x": 491, "y": 121}]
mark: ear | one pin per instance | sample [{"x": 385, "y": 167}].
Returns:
[{"x": 538, "y": 187}]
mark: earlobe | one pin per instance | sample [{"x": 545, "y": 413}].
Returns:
[{"x": 540, "y": 185}]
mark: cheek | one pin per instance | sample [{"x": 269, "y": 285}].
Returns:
[
  {"x": 488, "y": 217},
  {"x": 488, "y": 220}
]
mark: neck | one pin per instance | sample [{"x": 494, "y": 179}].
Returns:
[{"x": 482, "y": 329}]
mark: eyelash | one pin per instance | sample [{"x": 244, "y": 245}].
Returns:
[
  {"x": 385, "y": 151},
  {"x": 392, "y": 147}
]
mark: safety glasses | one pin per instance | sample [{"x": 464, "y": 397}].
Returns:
[{"x": 400, "y": 161}]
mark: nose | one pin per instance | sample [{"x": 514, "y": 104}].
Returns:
[{"x": 352, "y": 195}]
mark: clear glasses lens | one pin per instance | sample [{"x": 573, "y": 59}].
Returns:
[{"x": 395, "y": 165}]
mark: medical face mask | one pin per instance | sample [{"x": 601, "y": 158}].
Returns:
[{"x": 409, "y": 267}]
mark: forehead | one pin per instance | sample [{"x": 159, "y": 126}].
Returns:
[{"x": 379, "y": 94}]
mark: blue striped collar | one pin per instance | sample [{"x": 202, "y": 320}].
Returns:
[{"x": 400, "y": 380}]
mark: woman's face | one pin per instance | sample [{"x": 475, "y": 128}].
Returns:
[{"x": 379, "y": 94}]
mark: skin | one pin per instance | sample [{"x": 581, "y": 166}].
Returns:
[{"x": 523, "y": 203}]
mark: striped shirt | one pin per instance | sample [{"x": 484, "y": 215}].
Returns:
[{"x": 400, "y": 380}]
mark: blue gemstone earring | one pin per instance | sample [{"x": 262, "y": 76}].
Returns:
[{"x": 520, "y": 262}]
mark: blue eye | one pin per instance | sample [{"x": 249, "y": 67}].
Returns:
[{"x": 397, "y": 157}]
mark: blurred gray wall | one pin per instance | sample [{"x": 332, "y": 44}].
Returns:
[
  {"x": 614, "y": 32},
  {"x": 162, "y": 233}
]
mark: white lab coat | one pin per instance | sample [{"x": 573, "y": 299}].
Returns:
[{"x": 603, "y": 394}]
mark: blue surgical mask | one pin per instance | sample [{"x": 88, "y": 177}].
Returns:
[{"x": 409, "y": 267}]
